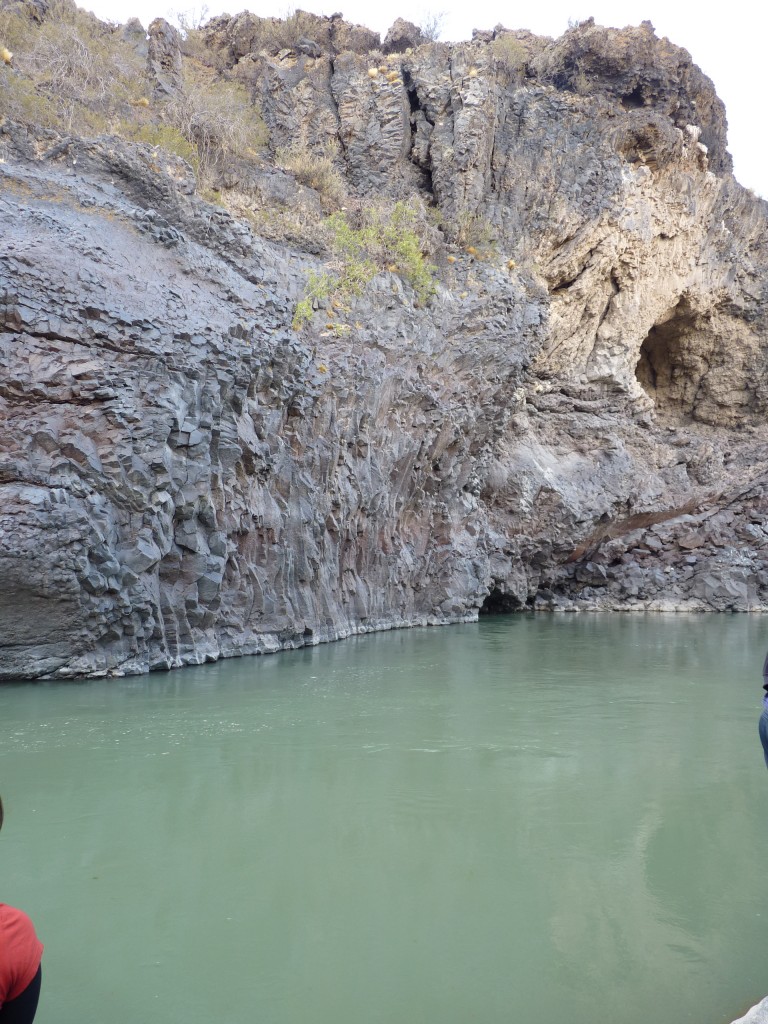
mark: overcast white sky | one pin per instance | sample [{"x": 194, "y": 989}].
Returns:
[{"x": 728, "y": 41}]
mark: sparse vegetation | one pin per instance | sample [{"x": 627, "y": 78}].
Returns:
[
  {"x": 581, "y": 83},
  {"x": 509, "y": 53},
  {"x": 15, "y": 30},
  {"x": 269, "y": 35},
  {"x": 218, "y": 118},
  {"x": 274, "y": 34},
  {"x": 166, "y": 137},
  {"x": 195, "y": 43},
  {"x": 292, "y": 223},
  {"x": 384, "y": 239},
  {"x": 71, "y": 72},
  {"x": 475, "y": 233},
  {"x": 76, "y": 74},
  {"x": 190, "y": 20},
  {"x": 432, "y": 25},
  {"x": 316, "y": 170},
  {"x": 20, "y": 101}
]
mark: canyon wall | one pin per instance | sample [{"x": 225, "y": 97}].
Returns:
[{"x": 575, "y": 419}]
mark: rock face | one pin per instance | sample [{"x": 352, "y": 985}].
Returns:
[
  {"x": 757, "y": 1015},
  {"x": 401, "y": 36},
  {"x": 164, "y": 57},
  {"x": 577, "y": 419}
]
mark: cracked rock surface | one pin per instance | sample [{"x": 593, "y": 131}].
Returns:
[{"x": 579, "y": 425}]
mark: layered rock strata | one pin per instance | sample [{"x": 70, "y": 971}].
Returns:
[{"x": 575, "y": 420}]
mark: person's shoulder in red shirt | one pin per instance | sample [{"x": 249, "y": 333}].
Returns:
[{"x": 20, "y": 952}]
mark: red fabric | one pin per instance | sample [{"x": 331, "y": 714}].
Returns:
[{"x": 20, "y": 952}]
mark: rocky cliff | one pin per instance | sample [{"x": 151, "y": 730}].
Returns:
[{"x": 574, "y": 418}]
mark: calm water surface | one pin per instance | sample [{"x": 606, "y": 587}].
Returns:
[{"x": 552, "y": 818}]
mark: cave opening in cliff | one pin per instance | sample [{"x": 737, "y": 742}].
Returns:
[
  {"x": 669, "y": 369},
  {"x": 634, "y": 99},
  {"x": 499, "y": 602}
]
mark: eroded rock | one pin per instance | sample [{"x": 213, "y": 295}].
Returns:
[
  {"x": 164, "y": 57},
  {"x": 575, "y": 420}
]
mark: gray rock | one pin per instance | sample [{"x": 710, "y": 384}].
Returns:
[
  {"x": 757, "y": 1015},
  {"x": 401, "y": 36},
  {"x": 134, "y": 33},
  {"x": 577, "y": 418},
  {"x": 164, "y": 57}
]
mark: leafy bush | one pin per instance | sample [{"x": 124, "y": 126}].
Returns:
[
  {"x": 385, "y": 239},
  {"x": 402, "y": 242},
  {"x": 319, "y": 288}
]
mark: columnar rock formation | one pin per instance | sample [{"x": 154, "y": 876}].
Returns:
[{"x": 576, "y": 419}]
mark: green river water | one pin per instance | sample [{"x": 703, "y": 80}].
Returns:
[{"x": 552, "y": 818}]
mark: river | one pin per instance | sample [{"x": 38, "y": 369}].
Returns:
[{"x": 527, "y": 818}]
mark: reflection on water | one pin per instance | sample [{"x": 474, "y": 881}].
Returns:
[{"x": 550, "y": 817}]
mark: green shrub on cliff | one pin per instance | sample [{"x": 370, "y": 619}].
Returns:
[
  {"x": 402, "y": 242},
  {"x": 383, "y": 238},
  {"x": 319, "y": 288},
  {"x": 386, "y": 239}
]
